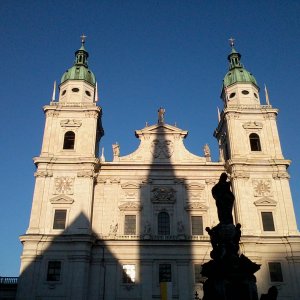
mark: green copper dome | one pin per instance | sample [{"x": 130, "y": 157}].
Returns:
[
  {"x": 237, "y": 72},
  {"x": 80, "y": 70}
]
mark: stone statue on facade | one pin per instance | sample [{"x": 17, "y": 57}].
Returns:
[
  {"x": 230, "y": 276},
  {"x": 206, "y": 151},
  {"x": 147, "y": 231},
  {"x": 161, "y": 115},
  {"x": 116, "y": 150}
]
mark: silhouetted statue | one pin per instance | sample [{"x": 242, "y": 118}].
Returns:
[
  {"x": 224, "y": 199},
  {"x": 230, "y": 276},
  {"x": 272, "y": 294}
]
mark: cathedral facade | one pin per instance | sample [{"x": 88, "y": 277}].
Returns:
[{"x": 134, "y": 227}]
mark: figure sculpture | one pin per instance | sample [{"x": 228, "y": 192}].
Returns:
[{"x": 224, "y": 199}]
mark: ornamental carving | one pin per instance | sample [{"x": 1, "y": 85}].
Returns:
[
  {"x": 195, "y": 191},
  {"x": 262, "y": 187},
  {"x": 253, "y": 125},
  {"x": 211, "y": 180},
  {"x": 265, "y": 201},
  {"x": 281, "y": 175},
  {"x": 240, "y": 174},
  {"x": 64, "y": 185},
  {"x": 86, "y": 174},
  {"x": 195, "y": 206},
  {"x": 130, "y": 205},
  {"x": 43, "y": 174},
  {"x": 70, "y": 123},
  {"x": 162, "y": 149},
  {"x": 52, "y": 113},
  {"x": 163, "y": 195},
  {"x": 108, "y": 180},
  {"x": 92, "y": 114},
  {"x": 61, "y": 199},
  {"x": 130, "y": 189}
]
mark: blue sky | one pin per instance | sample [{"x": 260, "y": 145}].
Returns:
[{"x": 145, "y": 54}]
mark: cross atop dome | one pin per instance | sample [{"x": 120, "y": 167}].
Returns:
[
  {"x": 83, "y": 37},
  {"x": 231, "y": 42}
]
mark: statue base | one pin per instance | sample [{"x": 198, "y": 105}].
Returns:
[{"x": 230, "y": 276}]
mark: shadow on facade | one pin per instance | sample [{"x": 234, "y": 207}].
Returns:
[{"x": 146, "y": 227}]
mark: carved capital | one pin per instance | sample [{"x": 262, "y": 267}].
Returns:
[
  {"x": 92, "y": 114},
  {"x": 86, "y": 174},
  {"x": 52, "y": 113},
  {"x": 43, "y": 174},
  {"x": 281, "y": 175},
  {"x": 240, "y": 175}
]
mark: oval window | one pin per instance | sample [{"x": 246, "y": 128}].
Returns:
[
  {"x": 88, "y": 93},
  {"x": 255, "y": 95},
  {"x": 63, "y": 92},
  {"x": 244, "y": 92},
  {"x": 75, "y": 90},
  {"x": 231, "y": 95}
]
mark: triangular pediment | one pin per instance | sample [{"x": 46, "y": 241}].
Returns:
[
  {"x": 161, "y": 129},
  {"x": 61, "y": 199},
  {"x": 265, "y": 201}
]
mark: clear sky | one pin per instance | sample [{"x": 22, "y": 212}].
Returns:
[{"x": 145, "y": 54}]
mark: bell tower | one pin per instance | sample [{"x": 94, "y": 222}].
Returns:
[
  {"x": 250, "y": 147},
  {"x": 64, "y": 186}
]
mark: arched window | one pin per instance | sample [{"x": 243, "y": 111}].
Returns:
[
  {"x": 163, "y": 223},
  {"x": 254, "y": 142},
  {"x": 69, "y": 140}
]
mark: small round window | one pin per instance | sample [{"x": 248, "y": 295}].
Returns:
[
  {"x": 75, "y": 90},
  {"x": 255, "y": 95},
  {"x": 63, "y": 92},
  {"x": 88, "y": 93},
  {"x": 244, "y": 92},
  {"x": 231, "y": 95}
]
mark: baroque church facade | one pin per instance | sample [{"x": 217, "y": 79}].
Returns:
[{"x": 134, "y": 227}]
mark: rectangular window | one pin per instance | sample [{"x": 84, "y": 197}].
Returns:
[
  {"x": 197, "y": 273},
  {"x": 130, "y": 225},
  {"x": 165, "y": 273},
  {"x": 128, "y": 275},
  {"x": 60, "y": 219},
  {"x": 54, "y": 270},
  {"x": 275, "y": 272},
  {"x": 197, "y": 225},
  {"x": 267, "y": 220}
]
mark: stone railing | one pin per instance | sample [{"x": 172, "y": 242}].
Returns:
[
  {"x": 9, "y": 280},
  {"x": 72, "y": 104},
  {"x": 156, "y": 237}
]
